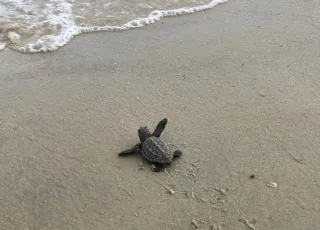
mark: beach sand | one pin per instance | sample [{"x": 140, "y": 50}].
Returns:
[{"x": 240, "y": 87}]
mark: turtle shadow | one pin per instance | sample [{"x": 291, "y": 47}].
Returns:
[{"x": 142, "y": 164}]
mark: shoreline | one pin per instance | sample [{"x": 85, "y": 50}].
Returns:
[{"x": 69, "y": 32}]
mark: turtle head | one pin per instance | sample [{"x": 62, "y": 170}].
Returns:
[{"x": 144, "y": 133}]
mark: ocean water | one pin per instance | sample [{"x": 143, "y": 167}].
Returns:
[{"x": 41, "y": 25}]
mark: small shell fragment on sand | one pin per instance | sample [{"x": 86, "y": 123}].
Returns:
[
  {"x": 272, "y": 184},
  {"x": 221, "y": 191},
  {"x": 170, "y": 190},
  {"x": 247, "y": 223},
  {"x": 196, "y": 224}
]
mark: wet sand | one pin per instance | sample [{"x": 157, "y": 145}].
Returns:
[{"x": 240, "y": 87}]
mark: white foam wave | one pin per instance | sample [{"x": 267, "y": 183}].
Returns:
[{"x": 62, "y": 27}]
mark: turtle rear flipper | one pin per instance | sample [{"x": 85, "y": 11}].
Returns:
[
  {"x": 136, "y": 148},
  {"x": 156, "y": 167},
  {"x": 177, "y": 153},
  {"x": 160, "y": 127}
]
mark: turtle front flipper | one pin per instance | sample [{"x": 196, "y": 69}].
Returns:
[
  {"x": 136, "y": 148},
  {"x": 156, "y": 167},
  {"x": 177, "y": 153},
  {"x": 160, "y": 127}
]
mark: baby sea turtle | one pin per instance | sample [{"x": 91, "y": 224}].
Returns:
[{"x": 152, "y": 148}]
